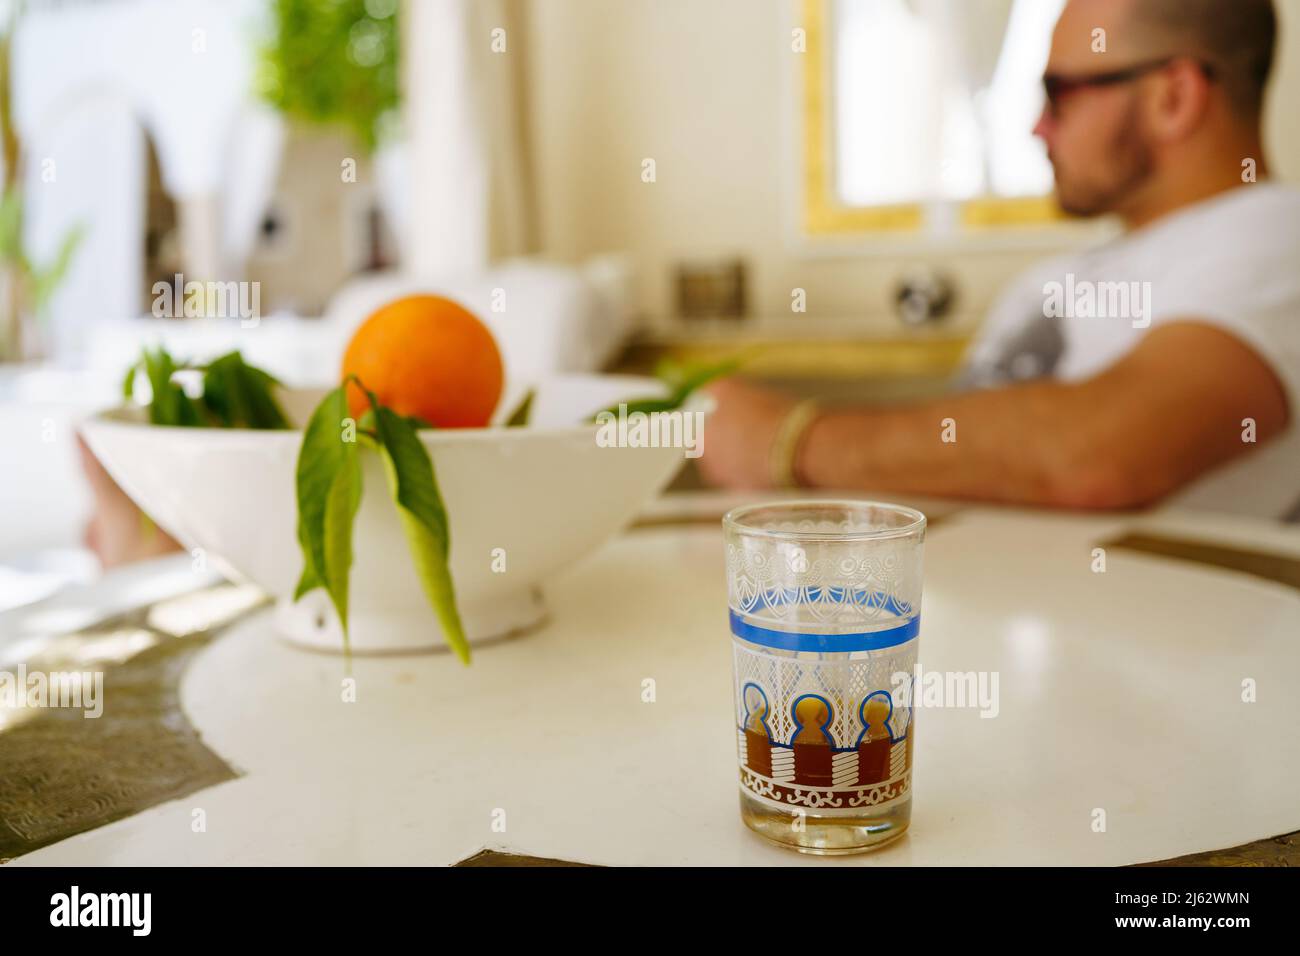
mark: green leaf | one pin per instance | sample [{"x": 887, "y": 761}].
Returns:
[
  {"x": 264, "y": 410},
  {"x": 240, "y": 395},
  {"x": 235, "y": 394},
  {"x": 332, "y": 62},
  {"x": 329, "y": 493},
  {"x": 691, "y": 378},
  {"x": 48, "y": 278},
  {"x": 519, "y": 417},
  {"x": 341, "y": 504},
  {"x": 670, "y": 371},
  {"x": 169, "y": 404},
  {"x": 220, "y": 393},
  {"x": 644, "y": 405},
  {"x": 683, "y": 381},
  {"x": 414, "y": 487},
  {"x": 128, "y": 383},
  {"x": 11, "y": 224},
  {"x": 307, "y": 580}
]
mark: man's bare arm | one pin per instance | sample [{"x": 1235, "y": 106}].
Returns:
[{"x": 1169, "y": 410}]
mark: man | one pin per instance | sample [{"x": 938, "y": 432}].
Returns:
[{"x": 1194, "y": 389}]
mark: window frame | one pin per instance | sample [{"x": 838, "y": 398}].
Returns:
[{"x": 989, "y": 223}]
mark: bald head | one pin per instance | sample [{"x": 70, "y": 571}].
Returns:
[{"x": 1236, "y": 37}]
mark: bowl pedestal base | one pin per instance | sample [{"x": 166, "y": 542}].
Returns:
[{"x": 312, "y": 623}]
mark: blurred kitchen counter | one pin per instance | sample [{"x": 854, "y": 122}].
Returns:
[{"x": 828, "y": 358}]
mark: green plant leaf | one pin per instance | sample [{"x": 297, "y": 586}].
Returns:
[
  {"x": 240, "y": 395},
  {"x": 690, "y": 378},
  {"x": 128, "y": 383},
  {"x": 307, "y": 580},
  {"x": 169, "y": 405},
  {"x": 221, "y": 394},
  {"x": 329, "y": 492},
  {"x": 341, "y": 504},
  {"x": 47, "y": 279},
  {"x": 235, "y": 394},
  {"x": 519, "y": 417},
  {"x": 683, "y": 380},
  {"x": 644, "y": 405},
  {"x": 414, "y": 488},
  {"x": 333, "y": 62},
  {"x": 11, "y": 224}
]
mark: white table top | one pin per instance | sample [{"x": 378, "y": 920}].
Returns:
[{"x": 1120, "y": 691}]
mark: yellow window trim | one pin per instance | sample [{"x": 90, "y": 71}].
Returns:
[{"x": 824, "y": 214}]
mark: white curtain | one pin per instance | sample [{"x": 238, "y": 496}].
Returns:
[
  {"x": 96, "y": 154},
  {"x": 973, "y": 33},
  {"x": 86, "y": 79},
  {"x": 971, "y": 69},
  {"x": 462, "y": 112},
  {"x": 251, "y": 169}
]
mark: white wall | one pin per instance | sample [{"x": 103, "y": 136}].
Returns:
[
  {"x": 704, "y": 87},
  {"x": 1282, "y": 126}
]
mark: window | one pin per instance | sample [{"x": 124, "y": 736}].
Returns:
[{"x": 919, "y": 114}]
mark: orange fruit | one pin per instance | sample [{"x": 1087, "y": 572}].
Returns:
[{"x": 426, "y": 356}]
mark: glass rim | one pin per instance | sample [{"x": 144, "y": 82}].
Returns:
[{"x": 734, "y": 520}]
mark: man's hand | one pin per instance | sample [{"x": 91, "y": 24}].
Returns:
[{"x": 739, "y": 436}]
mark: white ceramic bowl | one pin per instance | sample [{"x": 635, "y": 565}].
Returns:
[{"x": 546, "y": 495}]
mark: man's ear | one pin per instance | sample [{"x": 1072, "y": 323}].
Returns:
[{"x": 1180, "y": 101}]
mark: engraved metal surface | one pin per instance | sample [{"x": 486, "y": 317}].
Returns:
[
  {"x": 1262, "y": 564},
  {"x": 506, "y": 858},
  {"x": 62, "y": 773}
]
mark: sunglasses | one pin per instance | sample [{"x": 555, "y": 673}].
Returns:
[{"x": 1057, "y": 86}]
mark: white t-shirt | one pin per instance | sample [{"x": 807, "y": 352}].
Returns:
[{"x": 1232, "y": 261}]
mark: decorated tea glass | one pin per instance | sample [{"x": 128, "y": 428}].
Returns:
[{"x": 825, "y": 600}]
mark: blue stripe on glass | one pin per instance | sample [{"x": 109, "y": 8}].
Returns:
[{"x": 825, "y": 643}]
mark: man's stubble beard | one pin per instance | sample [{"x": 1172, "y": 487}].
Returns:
[{"x": 1130, "y": 162}]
